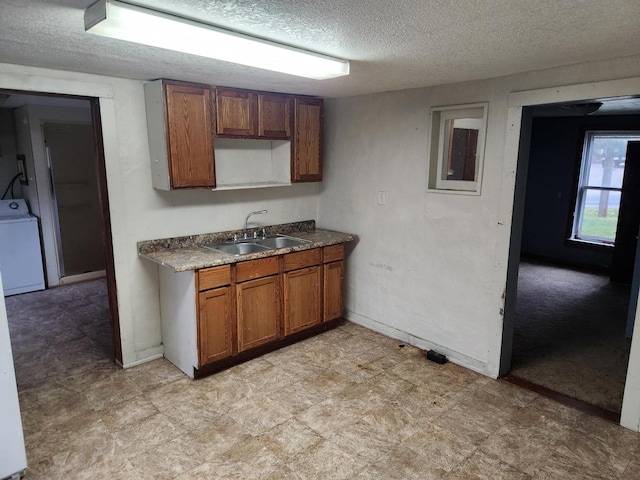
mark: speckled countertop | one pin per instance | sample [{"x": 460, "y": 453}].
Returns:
[{"x": 185, "y": 253}]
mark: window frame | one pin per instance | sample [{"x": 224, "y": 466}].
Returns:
[
  {"x": 439, "y": 146},
  {"x": 581, "y": 187}
]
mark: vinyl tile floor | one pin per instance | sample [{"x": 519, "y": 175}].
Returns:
[{"x": 347, "y": 404}]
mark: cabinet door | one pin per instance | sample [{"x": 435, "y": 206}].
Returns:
[
  {"x": 258, "y": 311},
  {"x": 306, "y": 158},
  {"x": 235, "y": 112},
  {"x": 274, "y": 116},
  {"x": 215, "y": 324},
  {"x": 333, "y": 291},
  {"x": 302, "y": 304},
  {"x": 189, "y": 136}
]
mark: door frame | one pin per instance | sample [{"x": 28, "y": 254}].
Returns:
[
  {"x": 44, "y": 169},
  {"x": 105, "y": 220},
  {"x": 516, "y": 158},
  {"x": 635, "y": 285},
  {"x": 105, "y": 215}
]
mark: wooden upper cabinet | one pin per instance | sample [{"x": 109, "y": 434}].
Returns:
[
  {"x": 235, "y": 112},
  {"x": 191, "y": 161},
  {"x": 306, "y": 156},
  {"x": 274, "y": 115},
  {"x": 179, "y": 119},
  {"x": 244, "y": 113},
  {"x": 184, "y": 119}
]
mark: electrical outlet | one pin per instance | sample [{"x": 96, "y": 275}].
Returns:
[{"x": 382, "y": 198}]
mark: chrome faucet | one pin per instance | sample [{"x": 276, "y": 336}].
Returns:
[{"x": 246, "y": 221}]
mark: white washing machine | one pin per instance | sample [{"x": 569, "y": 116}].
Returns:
[{"x": 20, "y": 254}]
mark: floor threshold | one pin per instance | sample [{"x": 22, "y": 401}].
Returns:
[{"x": 564, "y": 399}]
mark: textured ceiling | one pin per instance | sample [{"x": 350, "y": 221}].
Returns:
[{"x": 392, "y": 45}]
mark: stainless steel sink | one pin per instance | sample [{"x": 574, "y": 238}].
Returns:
[
  {"x": 280, "y": 241},
  {"x": 243, "y": 247}
]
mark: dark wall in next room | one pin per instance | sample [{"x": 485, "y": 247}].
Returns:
[{"x": 554, "y": 163}]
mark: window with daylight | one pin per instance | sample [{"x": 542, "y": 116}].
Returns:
[{"x": 595, "y": 218}]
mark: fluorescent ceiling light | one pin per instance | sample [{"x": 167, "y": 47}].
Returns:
[{"x": 115, "y": 19}]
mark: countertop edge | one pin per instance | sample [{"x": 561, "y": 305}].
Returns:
[{"x": 194, "y": 257}]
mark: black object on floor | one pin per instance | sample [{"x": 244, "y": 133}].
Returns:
[{"x": 436, "y": 357}]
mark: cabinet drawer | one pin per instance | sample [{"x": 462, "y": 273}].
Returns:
[
  {"x": 306, "y": 258},
  {"x": 333, "y": 253},
  {"x": 214, "y": 277},
  {"x": 256, "y": 269}
]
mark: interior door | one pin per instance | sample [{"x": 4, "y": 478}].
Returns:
[
  {"x": 75, "y": 186},
  {"x": 624, "y": 253}
]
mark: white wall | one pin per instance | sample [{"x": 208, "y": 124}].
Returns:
[
  {"x": 138, "y": 212},
  {"x": 430, "y": 268}
]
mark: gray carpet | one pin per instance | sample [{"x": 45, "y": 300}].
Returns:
[{"x": 569, "y": 333}]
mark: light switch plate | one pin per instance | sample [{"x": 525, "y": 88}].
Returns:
[{"x": 382, "y": 198}]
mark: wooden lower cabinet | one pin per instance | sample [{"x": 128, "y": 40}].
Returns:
[
  {"x": 215, "y": 324},
  {"x": 258, "y": 311},
  {"x": 302, "y": 299},
  {"x": 333, "y": 292},
  {"x": 258, "y": 302},
  {"x": 333, "y": 279}
]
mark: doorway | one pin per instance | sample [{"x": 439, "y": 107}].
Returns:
[
  {"x": 60, "y": 137},
  {"x": 564, "y": 320},
  {"x": 74, "y": 199}
]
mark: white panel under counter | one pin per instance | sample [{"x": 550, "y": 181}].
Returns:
[
  {"x": 178, "y": 312},
  {"x": 242, "y": 163}
]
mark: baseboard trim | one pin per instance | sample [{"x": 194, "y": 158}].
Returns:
[
  {"x": 255, "y": 352},
  {"x": 564, "y": 399},
  {"x": 143, "y": 360},
  {"x": 389, "y": 331},
  {"x": 82, "y": 277}
]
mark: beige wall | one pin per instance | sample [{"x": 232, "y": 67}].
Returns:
[
  {"x": 431, "y": 268},
  {"x": 138, "y": 212}
]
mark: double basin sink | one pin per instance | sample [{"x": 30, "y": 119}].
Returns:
[{"x": 255, "y": 245}]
